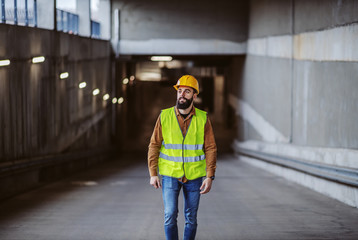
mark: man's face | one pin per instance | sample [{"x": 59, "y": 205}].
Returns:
[{"x": 185, "y": 96}]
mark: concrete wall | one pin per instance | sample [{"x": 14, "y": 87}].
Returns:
[
  {"x": 298, "y": 89},
  {"x": 325, "y": 86},
  {"x": 40, "y": 113},
  {"x": 307, "y": 94},
  {"x": 326, "y": 104},
  {"x": 182, "y": 27},
  {"x": 270, "y": 18},
  {"x": 319, "y": 15}
]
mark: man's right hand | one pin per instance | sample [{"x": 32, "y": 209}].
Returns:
[{"x": 155, "y": 182}]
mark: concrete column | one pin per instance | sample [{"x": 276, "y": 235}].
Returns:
[
  {"x": 116, "y": 31},
  {"x": 46, "y": 14},
  {"x": 104, "y": 17},
  {"x": 84, "y": 13},
  {"x": 219, "y": 98}
]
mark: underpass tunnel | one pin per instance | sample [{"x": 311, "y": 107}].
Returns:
[
  {"x": 151, "y": 90},
  {"x": 82, "y": 83}
]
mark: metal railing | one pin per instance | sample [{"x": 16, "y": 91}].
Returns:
[
  {"x": 95, "y": 29},
  {"x": 67, "y": 22},
  {"x": 333, "y": 173},
  {"x": 19, "y": 12},
  {"x": 24, "y": 12}
]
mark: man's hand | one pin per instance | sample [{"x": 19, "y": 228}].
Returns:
[
  {"x": 155, "y": 182},
  {"x": 206, "y": 186}
]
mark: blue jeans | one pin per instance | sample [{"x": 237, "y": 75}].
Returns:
[{"x": 191, "y": 190}]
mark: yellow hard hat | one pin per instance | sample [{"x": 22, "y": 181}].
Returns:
[{"x": 188, "y": 81}]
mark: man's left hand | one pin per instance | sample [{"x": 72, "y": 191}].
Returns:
[{"x": 206, "y": 186}]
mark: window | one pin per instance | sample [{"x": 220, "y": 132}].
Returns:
[
  {"x": 19, "y": 12},
  {"x": 67, "y": 22}
]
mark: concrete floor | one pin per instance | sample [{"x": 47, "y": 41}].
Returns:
[{"x": 115, "y": 201}]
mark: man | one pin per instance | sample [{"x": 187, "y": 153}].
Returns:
[{"x": 183, "y": 147}]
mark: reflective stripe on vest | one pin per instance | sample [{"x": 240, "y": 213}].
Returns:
[
  {"x": 186, "y": 146},
  {"x": 182, "y": 155},
  {"x": 180, "y": 159}
]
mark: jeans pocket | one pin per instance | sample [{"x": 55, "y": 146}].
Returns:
[{"x": 170, "y": 183}]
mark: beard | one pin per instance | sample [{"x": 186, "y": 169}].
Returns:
[{"x": 184, "y": 105}]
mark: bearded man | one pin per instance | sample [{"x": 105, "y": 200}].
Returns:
[{"x": 183, "y": 148}]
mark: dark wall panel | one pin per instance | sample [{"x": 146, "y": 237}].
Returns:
[{"x": 40, "y": 113}]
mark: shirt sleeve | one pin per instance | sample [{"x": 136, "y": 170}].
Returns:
[
  {"x": 210, "y": 149},
  {"x": 154, "y": 148}
]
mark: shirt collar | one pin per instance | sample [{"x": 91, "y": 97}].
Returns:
[{"x": 192, "y": 112}]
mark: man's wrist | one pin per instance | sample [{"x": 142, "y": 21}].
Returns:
[
  {"x": 212, "y": 178},
  {"x": 153, "y": 173}
]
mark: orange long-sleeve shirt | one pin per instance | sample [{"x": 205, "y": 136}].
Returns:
[{"x": 157, "y": 139}]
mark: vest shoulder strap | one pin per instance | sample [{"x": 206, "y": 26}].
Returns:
[{"x": 201, "y": 113}]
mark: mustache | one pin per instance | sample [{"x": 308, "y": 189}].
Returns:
[{"x": 184, "y": 104}]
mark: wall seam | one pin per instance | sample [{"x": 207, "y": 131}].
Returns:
[{"x": 292, "y": 66}]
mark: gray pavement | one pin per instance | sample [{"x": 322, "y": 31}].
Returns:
[{"x": 115, "y": 201}]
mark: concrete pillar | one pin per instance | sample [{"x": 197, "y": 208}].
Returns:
[
  {"x": 104, "y": 17},
  {"x": 46, "y": 14},
  {"x": 84, "y": 13},
  {"x": 116, "y": 22},
  {"x": 219, "y": 98}
]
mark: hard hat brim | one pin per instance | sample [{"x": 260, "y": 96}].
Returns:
[{"x": 177, "y": 86}]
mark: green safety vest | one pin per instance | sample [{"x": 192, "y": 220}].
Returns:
[{"x": 182, "y": 155}]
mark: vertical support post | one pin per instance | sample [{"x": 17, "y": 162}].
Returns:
[
  {"x": 35, "y": 13},
  {"x": 55, "y": 15},
  {"x": 3, "y": 19},
  {"x": 84, "y": 14},
  {"x": 46, "y": 14},
  {"x": 59, "y": 21},
  {"x": 219, "y": 88},
  {"x": 26, "y": 13},
  {"x": 76, "y": 27},
  {"x": 91, "y": 35},
  {"x": 68, "y": 18},
  {"x": 62, "y": 22},
  {"x": 116, "y": 31},
  {"x": 72, "y": 23},
  {"x": 104, "y": 17},
  {"x": 15, "y": 12}
]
